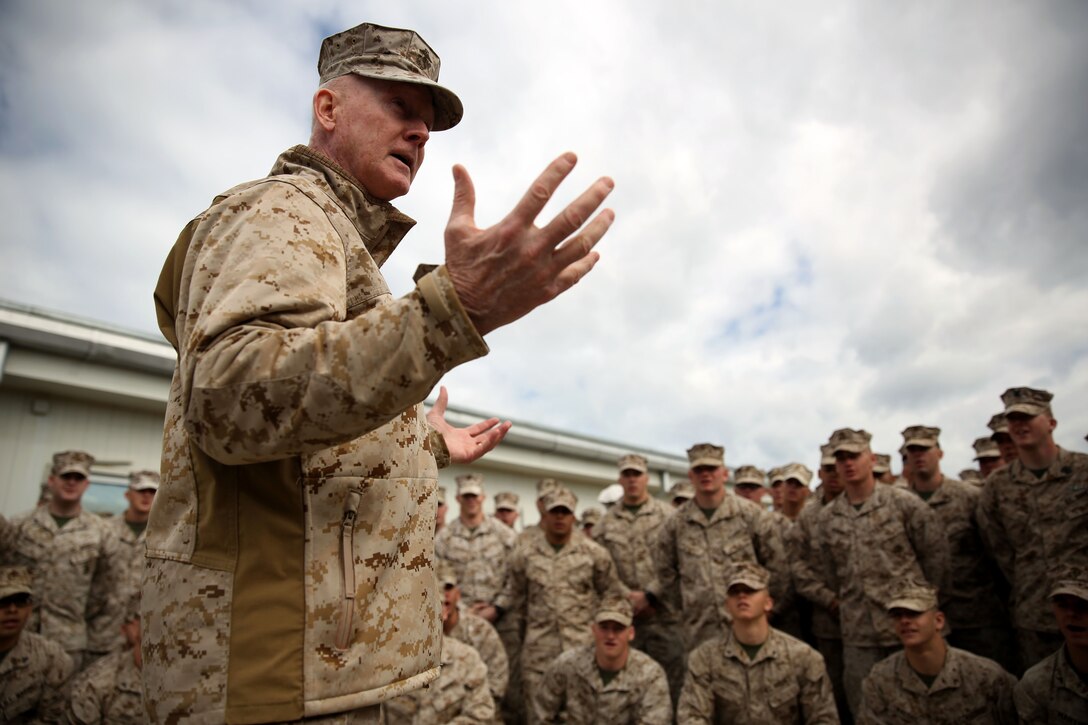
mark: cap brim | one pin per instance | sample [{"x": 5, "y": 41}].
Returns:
[
  {"x": 911, "y": 605},
  {"x": 471, "y": 490},
  {"x": 1026, "y": 408},
  {"x": 13, "y": 590},
  {"x": 706, "y": 462},
  {"x": 74, "y": 469}
]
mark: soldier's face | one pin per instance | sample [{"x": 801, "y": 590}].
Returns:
[
  {"x": 708, "y": 479},
  {"x": 634, "y": 485},
  {"x": 747, "y": 604},
  {"x": 507, "y": 516},
  {"x": 1030, "y": 430},
  {"x": 829, "y": 477},
  {"x": 916, "y": 628},
  {"x": 795, "y": 491},
  {"x": 14, "y": 612},
  {"x": 854, "y": 467},
  {"x": 140, "y": 501},
  {"x": 68, "y": 488},
  {"x": 470, "y": 503},
  {"x": 612, "y": 638},
  {"x": 559, "y": 522},
  {"x": 451, "y": 595},
  {"x": 986, "y": 466},
  {"x": 1006, "y": 446},
  {"x": 777, "y": 492},
  {"x": 924, "y": 460},
  {"x": 380, "y": 133},
  {"x": 440, "y": 515},
  {"x": 1072, "y": 615},
  {"x": 749, "y": 491}
]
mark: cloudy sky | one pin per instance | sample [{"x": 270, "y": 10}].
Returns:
[{"x": 828, "y": 213}]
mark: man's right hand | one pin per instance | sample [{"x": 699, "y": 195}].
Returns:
[{"x": 505, "y": 271}]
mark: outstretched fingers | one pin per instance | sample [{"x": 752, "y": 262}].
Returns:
[
  {"x": 541, "y": 190},
  {"x": 576, "y": 213}
]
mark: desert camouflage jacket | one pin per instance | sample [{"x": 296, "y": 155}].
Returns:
[
  {"x": 459, "y": 695},
  {"x": 34, "y": 679},
  {"x": 108, "y": 692},
  {"x": 291, "y": 542},
  {"x": 477, "y": 632},
  {"x": 1052, "y": 692},
  {"x": 806, "y": 568},
  {"x": 478, "y": 556}
]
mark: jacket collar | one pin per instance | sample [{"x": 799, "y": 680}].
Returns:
[
  {"x": 1060, "y": 468},
  {"x": 726, "y": 509},
  {"x": 949, "y": 677}
]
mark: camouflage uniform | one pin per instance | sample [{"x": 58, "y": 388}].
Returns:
[
  {"x": 1031, "y": 525},
  {"x": 459, "y": 695},
  {"x": 629, "y": 537},
  {"x": 573, "y": 692},
  {"x": 1052, "y": 692},
  {"x": 557, "y": 594},
  {"x": 298, "y": 465},
  {"x": 34, "y": 681},
  {"x": 478, "y": 556},
  {"x": 76, "y": 571},
  {"x": 785, "y": 683},
  {"x": 867, "y": 553},
  {"x": 969, "y": 689},
  {"x": 477, "y": 632},
  {"x": 109, "y": 691},
  {"x": 694, "y": 558}
]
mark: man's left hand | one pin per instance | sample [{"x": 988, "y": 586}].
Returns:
[{"x": 466, "y": 444}]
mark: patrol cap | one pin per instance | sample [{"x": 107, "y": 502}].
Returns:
[
  {"x": 748, "y": 474},
  {"x": 441, "y": 495},
  {"x": 615, "y": 609},
  {"x": 143, "y": 481},
  {"x": 15, "y": 580},
  {"x": 633, "y": 462},
  {"x": 883, "y": 463},
  {"x": 914, "y": 598},
  {"x": 776, "y": 475},
  {"x": 390, "y": 54},
  {"x": 471, "y": 484},
  {"x": 544, "y": 485},
  {"x": 921, "y": 435},
  {"x": 72, "y": 462},
  {"x": 1026, "y": 400},
  {"x": 1072, "y": 582},
  {"x": 850, "y": 440},
  {"x": 985, "y": 448},
  {"x": 998, "y": 423},
  {"x": 682, "y": 489},
  {"x": 827, "y": 455},
  {"x": 591, "y": 516},
  {"x": 798, "y": 472},
  {"x": 970, "y": 475},
  {"x": 560, "y": 497},
  {"x": 706, "y": 454},
  {"x": 750, "y": 574},
  {"x": 506, "y": 501},
  {"x": 446, "y": 574}
]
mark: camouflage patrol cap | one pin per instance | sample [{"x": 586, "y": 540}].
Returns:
[
  {"x": 998, "y": 423},
  {"x": 143, "y": 481},
  {"x": 591, "y": 516},
  {"x": 441, "y": 495},
  {"x": 848, "y": 439},
  {"x": 682, "y": 489},
  {"x": 633, "y": 462},
  {"x": 506, "y": 501},
  {"x": 72, "y": 462},
  {"x": 706, "y": 454},
  {"x": 913, "y": 598},
  {"x": 921, "y": 435},
  {"x": 748, "y": 475},
  {"x": 970, "y": 475},
  {"x": 1026, "y": 400},
  {"x": 470, "y": 484},
  {"x": 615, "y": 609},
  {"x": 797, "y": 472},
  {"x": 15, "y": 580},
  {"x": 985, "y": 448},
  {"x": 544, "y": 485},
  {"x": 883, "y": 463},
  {"x": 1070, "y": 580},
  {"x": 750, "y": 574},
  {"x": 827, "y": 455},
  {"x": 390, "y": 54},
  {"x": 446, "y": 574},
  {"x": 776, "y": 475},
  {"x": 560, "y": 497}
]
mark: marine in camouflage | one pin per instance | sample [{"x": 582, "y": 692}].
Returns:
[
  {"x": 459, "y": 695},
  {"x": 109, "y": 692}
]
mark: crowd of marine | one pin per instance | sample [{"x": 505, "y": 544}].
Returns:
[{"x": 874, "y": 598}]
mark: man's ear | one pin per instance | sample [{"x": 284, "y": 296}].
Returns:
[{"x": 325, "y": 102}]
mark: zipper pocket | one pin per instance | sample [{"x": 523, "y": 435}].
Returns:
[{"x": 347, "y": 571}]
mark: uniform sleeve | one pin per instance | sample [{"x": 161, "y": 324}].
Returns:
[
  {"x": 873, "y": 704},
  {"x": 930, "y": 542},
  {"x": 550, "y": 695},
  {"x": 992, "y": 530},
  {"x": 477, "y": 707},
  {"x": 269, "y": 367},
  {"x": 1003, "y": 699},
  {"x": 515, "y": 584},
  {"x": 772, "y": 555},
  {"x": 655, "y": 707},
  {"x": 665, "y": 587},
  {"x": 494, "y": 656},
  {"x": 804, "y": 557},
  {"x": 58, "y": 680},
  {"x": 104, "y": 606},
  {"x": 1030, "y": 704},
  {"x": 817, "y": 696},
  {"x": 696, "y": 698},
  {"x": 605, "y": 578},
  {"x": 89, "y": 692}
]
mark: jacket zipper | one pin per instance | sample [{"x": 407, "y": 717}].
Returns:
[{"x": 347, "y": 571}]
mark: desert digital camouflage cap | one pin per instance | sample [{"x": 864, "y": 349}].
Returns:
[
  {"x": 615, "y": 609},
  {"x": 544, "y": 485},
  {"x": 560, "y": 497},
  {"x": 797, "y": 472},
  {"x": 749, "y": 574},
  {"x": 470, "y": 483},
  {"x": 883, "y": 463},
  {"x": 446, "y": 574},
  {"x": 827, "y": 455},
  {"x": 848, "y": 439},
  {"x": 985, "y": 448},
  {"x": 505, "y": 500},
  {"x": 1026, "y": 400},
  {"x": 72, "y": 462},
  {"x": 591, "y": 516},
  {"x": 998, "y": 423},
  {"x": 913, "y": 598},
  {"x": 15, "y": 580},
  {"x": 682, "y": 489},
  {"x": 633, "y": 462},
  {"x": 921, "y": 435},
  {"x": 391, "y": 54},
  {"x": 748, "y": 475},
  {"x": 143, "y": 481},
  {"x": 1071, "y": 580},
  {"x": 970, "y": 475},
  {"x": 706, "y": 454},
  {"x": 776, "y": 475},
  {"x": 441, "y": 495}
]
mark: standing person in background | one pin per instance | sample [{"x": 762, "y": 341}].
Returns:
[
  {"x": 440, "y": 513},
  {"x": 1000, "y": 427},
  {"x": 988, "y": 456},
  {"x": 299, "y": 465},
  {"x": 750, "y": 483},
  {"x": 506, "y": 508},
  {"x": 110, "y": 691},
  {"x": 130, "y": 528}
]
